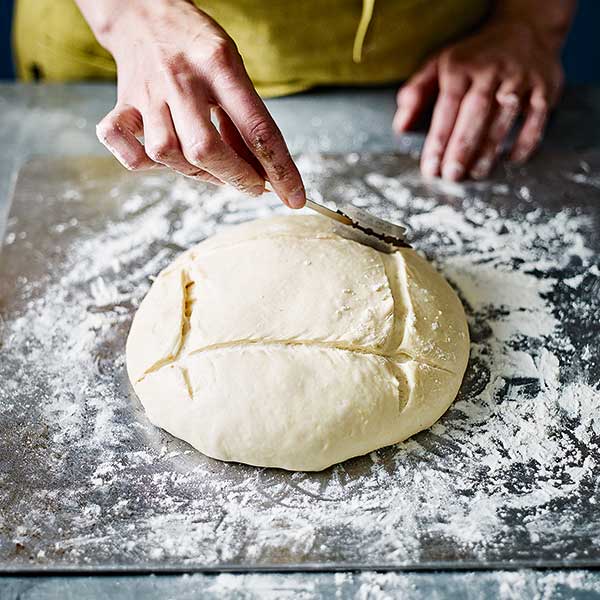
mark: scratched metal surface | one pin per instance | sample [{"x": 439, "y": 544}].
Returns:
[{"x": 52, "y": 471}]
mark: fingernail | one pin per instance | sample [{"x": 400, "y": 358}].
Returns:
[
  {"x": 431, "y": 166},
  {"x": 256, "y": 190},
  {"x": 481, "y": 168},
  {"x": 453, "y": 171},
  {"x": 297, "y": 199}
]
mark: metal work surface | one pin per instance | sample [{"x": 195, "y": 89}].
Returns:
[
  {"x": 483, "y": 585},
  {"x": 507, "y": 478}
]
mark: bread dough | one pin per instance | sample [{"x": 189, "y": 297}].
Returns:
[{"x": 285, "y": 343}]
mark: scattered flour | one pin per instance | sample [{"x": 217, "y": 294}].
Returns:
[{"x": 509, "y": 473}]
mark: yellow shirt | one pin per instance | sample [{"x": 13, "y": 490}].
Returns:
[{"x": 287, "y": 46}]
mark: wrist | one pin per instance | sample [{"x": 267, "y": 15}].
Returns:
[
  {"x": 548, "y": 22},
  {"x": 113, "y": 21}
]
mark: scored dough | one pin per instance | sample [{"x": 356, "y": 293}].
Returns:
[{"x": 285, "y": 343}]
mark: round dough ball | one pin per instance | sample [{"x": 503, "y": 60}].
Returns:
[{"x": 285, "y": 343}]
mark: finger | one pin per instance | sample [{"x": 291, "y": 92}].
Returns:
[
  {"x": 262, "y": 136},
  {"x": 469, "y": 130},
  {"x": 207, "y": 177},
  {"x": 452, "y": 91},
  {"x": 508, "y": 104},
  {"x": 204, "y": 148},
  {"x": 515, "y": 85},
  {"x": 532, "y": 131},
  {"x": 232, "y": 136},
  {"x": 163, "y": 147},
  {"x": 118, "y": 130},
  {"x": 413, "y": 95},
  {"x": 555, "y": 88}
]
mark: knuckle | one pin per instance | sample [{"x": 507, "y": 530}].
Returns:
[
  {"x": 508, "y": 100},
  {"x": 163, "y": 150},
  {"x": 260, "y": 132},
  {"x": 453, "y": 95},
  {"x": 452, "y": 58},
  {"x": 541, "y": 89},
  {"x": 482, "y": 97},
  {"x": 221, "y": 53},
  {"x": 515, "y": 76},
  {"x": 486, "y": 86},
  {"x": 456, "y": 63},
  {"x": 540, "y": 102},
  {"x": 261, "y": 136},
  {"x": 537, "y": 79},
  {"x": 202, "y": 150},
  {"x": 492, "y": 70},
  {"x": 179, "y": 73},
  {"x": 107, "y": 128},
  {"x": 453, "y": 87}
]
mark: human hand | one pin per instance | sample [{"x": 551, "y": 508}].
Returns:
[
  {"x": 484, "y": 83},
  {"x": 176, "y": 67}
]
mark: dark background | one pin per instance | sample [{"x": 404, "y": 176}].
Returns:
[{"x": 581, "y": 55}]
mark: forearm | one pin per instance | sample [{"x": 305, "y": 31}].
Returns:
[{"x": 550, "y": 19}]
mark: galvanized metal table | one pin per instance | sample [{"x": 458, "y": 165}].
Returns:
[{"x": 59, "y": 120}]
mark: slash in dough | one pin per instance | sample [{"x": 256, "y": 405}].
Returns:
[{"x": 284, "y": 343}]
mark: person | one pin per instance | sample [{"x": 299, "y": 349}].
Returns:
[{"x": 181, "y": 66}]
